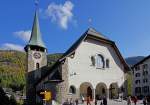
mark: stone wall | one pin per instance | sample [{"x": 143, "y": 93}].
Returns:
[{"x": 62, "y": 88}]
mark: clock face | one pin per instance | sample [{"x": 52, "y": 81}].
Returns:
[{"x": 37, "y": 55}]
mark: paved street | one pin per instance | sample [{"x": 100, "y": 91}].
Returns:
[{"x": 114, "y": 102}]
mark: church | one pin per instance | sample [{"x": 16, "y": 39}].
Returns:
[{"x": 93, "y": 66}]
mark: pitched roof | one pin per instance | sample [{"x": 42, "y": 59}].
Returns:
[
  {"x": 89, "y": 33},
  {"x": 53, "y": 73},
  {"x": 141, "y": 61},
  {"x": 36, "y": 39},
  {"x": 92, "y": 31}
]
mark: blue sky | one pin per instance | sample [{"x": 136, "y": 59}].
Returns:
[{"x": 62, "y": 22}]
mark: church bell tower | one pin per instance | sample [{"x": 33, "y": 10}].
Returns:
[{"x": 36, "y": 59}]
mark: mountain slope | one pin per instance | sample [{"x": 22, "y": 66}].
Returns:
[
  {"x": 13, "y": 67},
  {"x": 133, "y": 60}
]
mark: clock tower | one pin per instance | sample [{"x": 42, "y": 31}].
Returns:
[{"x": 36, "y": 59}]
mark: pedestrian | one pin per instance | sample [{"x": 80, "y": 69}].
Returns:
[
  {"x": 95, "y": 101},
  {"x": 104, "y": 101},
  {"x": 144, "y": 101},
  {"x": 71, "y": 102},
  {"x": 82, "y": 98},
  {"x": 148, "y": 100},
  {"x": 128, "y": 100},
  {"x": 88, "y": 100},
  {"x": 121, "y": 97},
  {"x": 101, "y": 103},
  {"x": 66, "y": 102},
  {"x": 135, "y": 100},
  {"x": 76, "y": 101}
]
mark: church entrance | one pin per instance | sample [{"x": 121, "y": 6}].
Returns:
[
  {"x": 89, "y": 92},
  {"x": 113, "y": 91},
  {"x": 101, "y": 91},
  {"x": 86, "y": 89}
]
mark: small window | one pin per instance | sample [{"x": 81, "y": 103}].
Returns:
[
  {"x": 145, "y": 73},
  {"x": 145, "y": 80},
  {"x": 145, "y": 67},
  {"x": 107, "y": 63},
  {"x": 93, "y": 60},
  {"x": 138, "y": 90},
  {"x": 137, "y": 75},
  {"x": 138, "y": 67},
  {"x": 145, "y": 89},
  {"x": 137, "y": 82},
  {"x": 72, "y": 90},
  {"x": 37, "y": 65}
]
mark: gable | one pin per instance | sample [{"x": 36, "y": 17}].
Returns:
[
  {"x": 91, "y": 48},
  {"x": 93, "y": 34},
  {"x": 89, "y": 34}
]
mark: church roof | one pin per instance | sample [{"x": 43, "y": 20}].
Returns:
[
  {"x": 91, "y": 33},
  {"x": 36, "y": 39}
]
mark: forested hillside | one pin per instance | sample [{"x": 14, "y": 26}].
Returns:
[
  {"x": 13, "y": 66},
  {"x": 12, "y": 69}
]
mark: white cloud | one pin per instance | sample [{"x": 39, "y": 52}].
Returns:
[
  {"x": 60, "y": 13},
  {"x": 24, "y": 35},
  {"x": 10, "y": 46}
]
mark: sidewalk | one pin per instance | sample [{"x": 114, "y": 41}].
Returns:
[{"x": 115, "y": 102}]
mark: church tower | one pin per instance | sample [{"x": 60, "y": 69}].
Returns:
[{"x": 36, "y": 59}]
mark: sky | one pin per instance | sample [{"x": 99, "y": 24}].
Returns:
[{"x": 62, "y": 22}]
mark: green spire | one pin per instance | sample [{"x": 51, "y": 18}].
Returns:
[{"x": 36, "y": 39}]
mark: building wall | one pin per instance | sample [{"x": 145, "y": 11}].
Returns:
[
  {"x": 81, "y": 66},
  {"x": 62, "y": 87},
  {"x": 78, "y": 69},
  {"x": 59, "y": 89},
  {"x": 141, "y": 78}
]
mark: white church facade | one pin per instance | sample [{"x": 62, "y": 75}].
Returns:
[{"x": 92, "y": 66}]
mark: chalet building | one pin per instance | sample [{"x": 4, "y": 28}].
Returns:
[
  {"x": 141, "y": 77},
  {"x": 92, "y": 66}
]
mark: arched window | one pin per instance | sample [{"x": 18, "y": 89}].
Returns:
[
  {"x": 37, "y": 65},
  {"x": 107, "y": 63},
  {"x": 72, "y": 90},
  {"x": 99, "y": 61}
]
